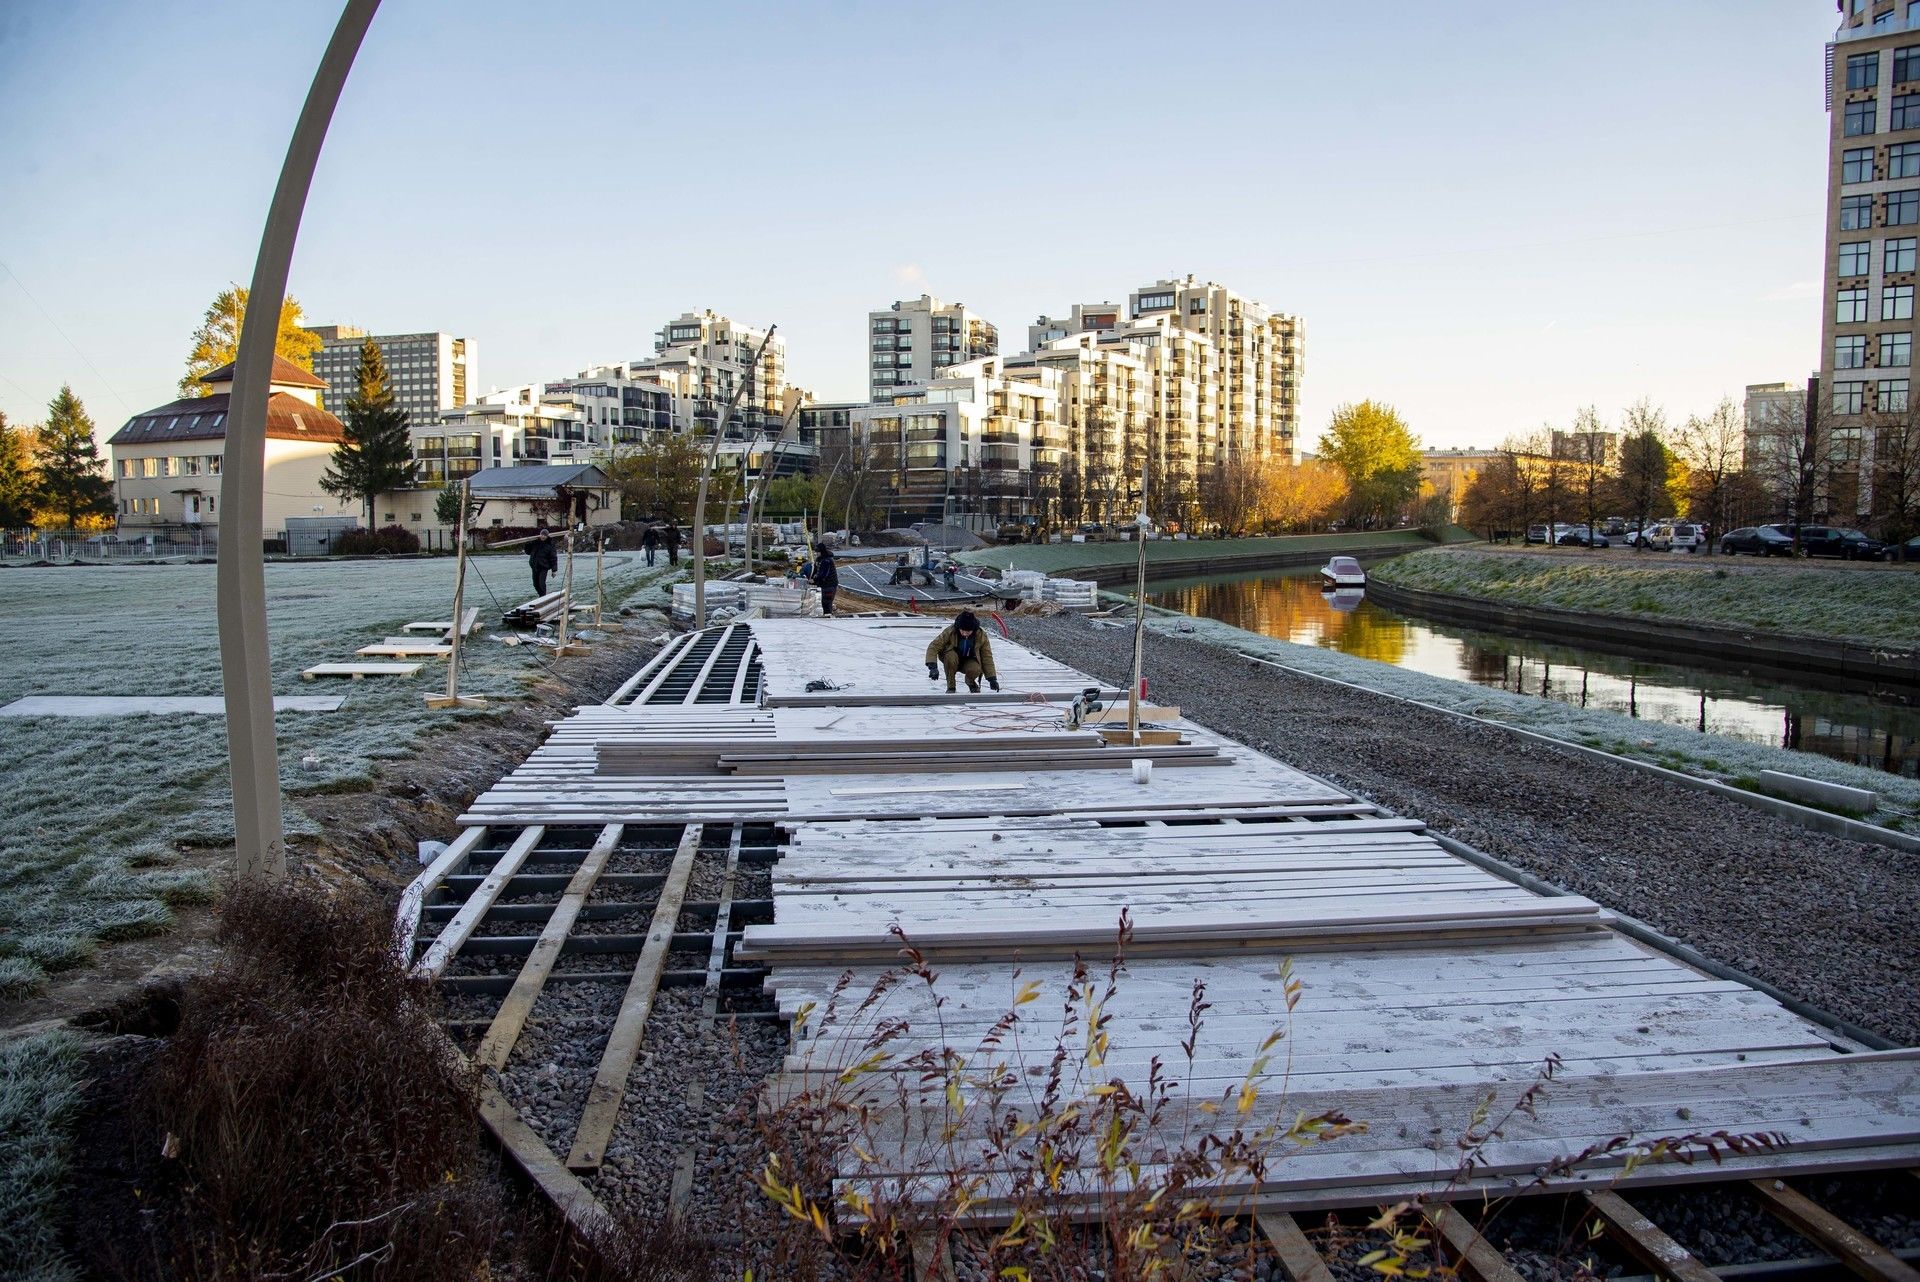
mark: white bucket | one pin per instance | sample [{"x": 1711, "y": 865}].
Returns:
[{"x": 1143, "y": 770}]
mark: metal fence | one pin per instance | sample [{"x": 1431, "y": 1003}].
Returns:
[{"x": 30, "y": 547}]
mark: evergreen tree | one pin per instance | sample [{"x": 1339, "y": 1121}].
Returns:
[
  {"x": 376, "y": 456},
  {"x": 72, "y": 479},
  {"x": 19, "y": 483}
]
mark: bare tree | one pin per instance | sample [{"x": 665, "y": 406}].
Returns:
[
  {"x": 1646, "y": 463},
  {"x": 1712, "y": 448},
  {"x": 1588, "y": 454},
  {"x": 1896, "y": 477}
]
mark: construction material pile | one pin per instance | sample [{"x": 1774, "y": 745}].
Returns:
[{"x": 1070, "y": 594}]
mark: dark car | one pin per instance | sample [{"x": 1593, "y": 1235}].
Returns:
[
  {"x": 1835, "y": 541},
  {"x": 1761, "y": 540},
  {"x": 1581, "y": 537}
]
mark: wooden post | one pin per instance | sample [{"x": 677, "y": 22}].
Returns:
[
  {"x": 253, "y": 759},
  {"x": 700, "y": 496},
  {"x": 452, "y": 699},
  {"x": 599, "y": 570},
  {"x": 1140, "y": 524},
  {"x": 562, "y": 648}
]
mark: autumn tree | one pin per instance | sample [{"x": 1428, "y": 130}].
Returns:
[
  {"x": 1646, "y": 463},
  {"x": 217, "y": 341},
  {"x": 1380, "y": 458},
  {"x": 1590, "y": 479},
  {"x": 1495, "y": 499},
  {"x": 73, "y": 482},
  {"x": 375, "y": 454},
  {"x": 659, "y": 477},
  {"x": 19, "y": 481},
  {"x": 1711, "y": 447},
  {"x": 1293, "y": 494}
]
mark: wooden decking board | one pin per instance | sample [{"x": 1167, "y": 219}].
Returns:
[
  {"x": 455, "y": 932},
  {"x": 1862, "y": 1256},
  {"x": 359, "y": 670},
  {"x": 1644, "y": 1240},
  {"x": 609, "y": 1088}
]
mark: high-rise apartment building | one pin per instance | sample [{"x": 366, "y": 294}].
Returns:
[
  {"x": 1873, "y": 238},
  {"x": 918, "y": 339},
  {"x": 703, "y": 356},
  {"x": 428, "y": 372}
]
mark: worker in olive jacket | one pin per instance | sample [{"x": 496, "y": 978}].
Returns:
[{"x": 963, "y": 649}]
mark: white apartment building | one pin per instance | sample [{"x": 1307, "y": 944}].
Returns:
[
  {"x": 428, "y": 372},
  {"x": 974, "y": 447},
  {"x": 701, "y": 357},
  {"x": 916, "y": 340}
]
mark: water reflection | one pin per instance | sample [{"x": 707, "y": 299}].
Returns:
[{"x": 1856, "y": 727}]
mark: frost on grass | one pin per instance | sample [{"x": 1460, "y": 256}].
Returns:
[
  {"x": 1879, "y": 606},
  {"x": 39, "y": 1096},
  {"x": 1675, "y": 747},
  {"x": 102, "y": 809}
]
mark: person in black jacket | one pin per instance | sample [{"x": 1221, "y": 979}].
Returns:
[
  {"x": 650, "y": 543},
  {"x": 673, "y": 543},
  {"x": 543, "y": 559},
  {"x": 826, "y": 576}
]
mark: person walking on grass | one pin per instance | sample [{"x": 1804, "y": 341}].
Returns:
[
  {"x": 673, "y": 543},
  {"x": 826, "y": 576},
  {"x": 543, "y": 559},
  {"x": 963, "y": 650},
  {"x": 650, "y": 543}
]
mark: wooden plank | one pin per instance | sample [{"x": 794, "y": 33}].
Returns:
[
  {"x": 1642, "y": 1239},
  {"x": 455, "y": 933},
  {"x": 414, "y": 898},
  {"x": 1297, "y": 1256},
  {"x": 1482, "y": 1261},
  {"x": 497, "y": 1046},
  {"x": 722, "y": 923},
  {"x": 623, "y": 1044},
  {"x": 1861, "y": 1254},
  {"x": 530, "y": 1153},
  {"x": 359, "y": 670},
  {"x": 932, "y": 1257},
  {"x": 421, "y": 649}
]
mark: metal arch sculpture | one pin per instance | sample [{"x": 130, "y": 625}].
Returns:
[{"x": 260, "y": 849}]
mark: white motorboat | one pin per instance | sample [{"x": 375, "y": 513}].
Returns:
[{"x": 1342, "y": 572}]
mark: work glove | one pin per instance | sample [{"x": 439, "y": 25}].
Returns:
[
  {"x": 995, "y": 683},
  {"x": 933, "y": 672}
]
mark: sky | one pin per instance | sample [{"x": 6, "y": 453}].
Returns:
[{"x": 1487, "y": 214}]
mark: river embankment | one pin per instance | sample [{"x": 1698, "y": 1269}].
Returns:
[{"x": 1118, "y": 562}]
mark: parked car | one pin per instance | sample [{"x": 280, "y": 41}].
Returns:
[
  {"x": 1758, "y": 540},
  {"x": 1635, "y": 537},
  {"x": 1835, "y": 541},
  {"x": 1579, "y": 536},
  {"x": 1687, "y": 537},
  {"x": 1537, "y": 533}
]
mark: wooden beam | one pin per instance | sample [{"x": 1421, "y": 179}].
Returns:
[
  {"x": 413, "y": 900},
  {"x": 932, "y": 1257},
  {"x": 722, "y": 923},
  {"x": 1481, "y": 1259},
  {"x": 531, "y": 1154},
  {"x": 623, "y": 1044},
  {"x": 1302, "y": 1262},
  {"x": 455, "y": 932},
  {"x": 1860, "y": 1253},
  {"x": 1643, "y": 1240},
  {"x": 512, "y": 1015}
]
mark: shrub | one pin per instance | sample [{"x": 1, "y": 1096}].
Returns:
[
  {"x": 318, "y": 1116},
  {"x": 389, "y": 539}
]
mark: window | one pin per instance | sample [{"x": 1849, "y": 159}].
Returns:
[
  {"x": 190, "y": 465},
  {"x": 1906, "y": 111},
  {"x": 1896, "y": 302},
  {"x": 213, "y": 465},
  {"x": 1856, "y": 165},
  {"x": 1153, "y": 303},
  {"x": 1896, "y": 351},
  {"x": 1891, "y": 395},
  {"x": 126, "y": 467},
  {"x": 1906, "y": 64},
  {"x": 1903, "y": 207},
  {"x": 1856, "y": 213},
  {"x": 1903, "y": 160},
  {"x": 1850, "y": 351},
  {"x": 1858, "y": 120},
  {"x": 1850, "y": 306},
  {"x": 1853, "y": 258},
  {"x": 149, "y": 467},
  {"x": 1898, "y": 254},
  {"x": 1883, "y": 21},
  {"x": 1849, "y": 398}
]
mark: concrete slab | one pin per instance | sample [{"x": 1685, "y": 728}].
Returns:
[
  {"x": 75, "y": 705},
  {"x": 1819, "y": 791}
]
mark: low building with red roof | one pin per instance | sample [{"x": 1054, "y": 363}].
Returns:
[{"x": 167, "y": 461}]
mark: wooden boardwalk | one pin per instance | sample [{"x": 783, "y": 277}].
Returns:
[{"x": 1409, "y": 987}]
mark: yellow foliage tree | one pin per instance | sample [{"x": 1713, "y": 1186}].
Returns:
[{"x": 217, "y": 341}]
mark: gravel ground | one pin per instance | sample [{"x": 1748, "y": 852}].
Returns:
[{"x": 1825, "y": 919}]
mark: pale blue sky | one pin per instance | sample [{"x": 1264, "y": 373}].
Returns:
[{"x": 1488, "y": 213}]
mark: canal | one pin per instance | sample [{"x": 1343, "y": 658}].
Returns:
[{"x": 1852, "y": 725}]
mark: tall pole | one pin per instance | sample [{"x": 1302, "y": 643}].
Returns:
[
  {"x": 706, "y": 474},
  {"x": 253, "y": 759},
  {"x": 599, "y": 569},
  {"x": 566, "y": 590},
  {"x": 756, "y": 497},
  {"x": 459, "y": 591}
]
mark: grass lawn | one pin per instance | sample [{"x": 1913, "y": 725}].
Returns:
[
  {"x": 1878, "y": 605},
  {"x": 1053, "y": 558},
  {"x": 102, "y": 809}
]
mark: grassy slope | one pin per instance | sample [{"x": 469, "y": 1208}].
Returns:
[
  {"x": 100, "y": 807},
  {"x": 1054, "y": 557},
  {"x": 1880, "y": 607},
  {"x": 39, "y": 1094}
]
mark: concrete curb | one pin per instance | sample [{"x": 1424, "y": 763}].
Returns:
[
  {"x": 1779, "y": 651},
  {"x": 1805, "y": 816}
]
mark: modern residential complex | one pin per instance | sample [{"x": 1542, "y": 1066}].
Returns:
[
  {"x": 428, "y": 372},
  {"x": 916, "y": 340},
  {"x": 1873, "y": 238}
]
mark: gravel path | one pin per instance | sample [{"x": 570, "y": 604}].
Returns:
[{"x": 1825, "y": 919}]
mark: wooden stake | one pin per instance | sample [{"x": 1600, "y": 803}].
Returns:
[
  {"x": 562, "y": 650},
  {"x": 452, "y": 699}
]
